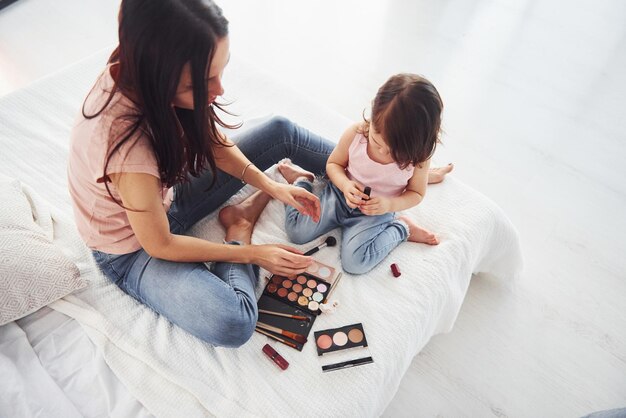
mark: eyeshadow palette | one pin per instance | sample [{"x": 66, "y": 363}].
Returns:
[
  {"x": 343, "y": 338},
  {"x": 304, "y": 291},
  {"x": 289, "y": 305}
]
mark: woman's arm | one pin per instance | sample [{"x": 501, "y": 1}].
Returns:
[
  {"x": 140, "y": 195},
  {"x": 231, "y": 160}
]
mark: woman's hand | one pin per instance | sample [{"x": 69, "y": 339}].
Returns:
[
  {"x": 376, "y": 206},
  {"x": 305, "y": 202},
  {"x": 353, "y": 192},
  {"x": 280, "y": 259}
]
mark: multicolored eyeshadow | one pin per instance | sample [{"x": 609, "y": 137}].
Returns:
[{"x": 304, "y": 291}]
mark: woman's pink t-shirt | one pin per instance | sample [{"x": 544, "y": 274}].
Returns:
[{"x": 102, "y": 223}]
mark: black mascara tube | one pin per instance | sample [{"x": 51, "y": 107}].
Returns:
[{"x": 346, "y": 364}]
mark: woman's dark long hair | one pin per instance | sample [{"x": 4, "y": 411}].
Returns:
[{"x": 156, "y": 39}]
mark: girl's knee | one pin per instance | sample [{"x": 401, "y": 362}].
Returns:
[
  {"x": 354, "y": 268},
  {"x": 296, "y": 235},
  {"x": 353, "y": 262},
  {"x": 297, "y": 229}
]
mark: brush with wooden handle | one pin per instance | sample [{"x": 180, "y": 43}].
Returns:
[
  {"x": 296, "y": 337},
  {"x": 272, "y": 336},
  {"x": 298, "y": 317}
]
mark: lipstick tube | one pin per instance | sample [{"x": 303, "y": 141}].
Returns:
[{"x": 275, "y": 357}]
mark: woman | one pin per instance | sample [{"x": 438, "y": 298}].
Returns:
[{"x": 147, "y": 162}]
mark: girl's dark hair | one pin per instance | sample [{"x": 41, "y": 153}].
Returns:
[
  {"x": 156, "y": 39},
  {"x": 407, "y": 112}
]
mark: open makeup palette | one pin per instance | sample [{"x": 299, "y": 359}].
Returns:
[
  {"x": 289, "y": 305},
  {"x": 348, "y": 343}
]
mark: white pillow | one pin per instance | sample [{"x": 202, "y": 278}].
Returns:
[{"x": 33, "y": 271}]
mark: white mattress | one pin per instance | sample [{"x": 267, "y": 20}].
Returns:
[
  {"x": 174, "y": 374},
  {"x": 51, "y": 368}
]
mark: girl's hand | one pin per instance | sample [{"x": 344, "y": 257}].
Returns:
[
  {"x": 305, "y": 202},
  {"x": 376, "y": 206},
  {"x": 281, "y": 259},
  {"x": 353, "y": 192}
]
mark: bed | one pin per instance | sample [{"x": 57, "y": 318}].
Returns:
[{"x": 99, "y": 352}]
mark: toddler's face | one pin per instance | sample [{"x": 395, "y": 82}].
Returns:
[
  {"x": 184, "y": 92},
  {"x": 378, "y": 143}
]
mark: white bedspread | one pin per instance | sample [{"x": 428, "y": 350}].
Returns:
[
  {"x": 174, "y": 374},
  {"x": 51, "y": 368}
]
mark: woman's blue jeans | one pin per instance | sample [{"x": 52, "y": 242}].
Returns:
[
  {"x": 366, "y": 240},
  {"x": 217, "y": 306}
]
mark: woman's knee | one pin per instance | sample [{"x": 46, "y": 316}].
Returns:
[
  {"x": 279, "y": 124},
  {"x": 229, "y": 322},
  {"x": 230, "y": 330},
  {"x": 240, "y": 331}
]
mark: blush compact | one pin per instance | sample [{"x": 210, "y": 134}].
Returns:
[{"x": 336, "y": 340}]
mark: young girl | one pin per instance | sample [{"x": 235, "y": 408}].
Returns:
[
  {"x": 390, "y": 153},
  {"x": 147, "y": 162}
]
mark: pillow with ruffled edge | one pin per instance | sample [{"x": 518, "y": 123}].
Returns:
[{"x": 33, "y": 271}]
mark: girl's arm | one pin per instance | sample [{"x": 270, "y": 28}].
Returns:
[
  {"x": 140, "y": 195},
  {"x": 412, "y": 195},
  {"x": 336, "y": 169},
  {"x": 415, "y": 189}
]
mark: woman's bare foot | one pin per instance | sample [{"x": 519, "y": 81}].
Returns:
[
  {"x": 291, "y": 173},
  {"x": 239, "y": 220},
  {"x": 417, "y": 234},
  {"x": 436, "y": 175}
]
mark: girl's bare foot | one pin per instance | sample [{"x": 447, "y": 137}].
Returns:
[
  {"x": 417, "y": 234},
  {"x": 239, "y": 220},
  {"x": 436, "y": 175},
  {"x": 291, "y": 173}
]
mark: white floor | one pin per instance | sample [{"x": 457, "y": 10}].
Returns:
[{"x": 535, "y": 118}]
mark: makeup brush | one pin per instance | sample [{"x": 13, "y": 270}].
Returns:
[
  {"x": 298, "y": 317},
  {"x": 330, "y": 242},
  {"x": 289, "y": 343},
  {"x": 296, "y": 337}
]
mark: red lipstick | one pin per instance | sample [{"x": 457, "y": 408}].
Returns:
[{"x": 275, "y": 357}]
